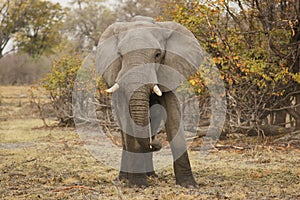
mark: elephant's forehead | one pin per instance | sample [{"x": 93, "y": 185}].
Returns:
[
  {"x": 140, "y": 38},
  {"x": 124, "y": 26}
]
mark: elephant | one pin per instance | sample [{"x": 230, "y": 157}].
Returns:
[{"x": 140, "y": 61}]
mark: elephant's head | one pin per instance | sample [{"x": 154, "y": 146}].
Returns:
[{"x": 142, "y": 56}]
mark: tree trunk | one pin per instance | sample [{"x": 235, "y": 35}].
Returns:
[
  {"x": 270, "y": 130},
  {"x": 295, "y": 39},
  {"x": 298, "y": 111},
  {"x": 280, "y": 118}
]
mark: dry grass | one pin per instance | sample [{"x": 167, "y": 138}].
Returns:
[
  {"x": 14, "y": 102},
  {"x": 52, "y": 163},
  {"x": 13, "y": 95},
  {"x": 14, "y": 90}
]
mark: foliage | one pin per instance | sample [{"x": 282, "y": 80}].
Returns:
[
  {"x": 128, "y": 9},
  {"x": 32, "y": 25},
  {"x": 41, "y": 31},
  {"x": 11, "y": 20},
  {"x": 250, "y": 43},
  {"x": 254, "y": 44},
  {"x": 65, "y": 94},
  {"x": 86, "y": 21},
  {"x": 59, "y": 84}
]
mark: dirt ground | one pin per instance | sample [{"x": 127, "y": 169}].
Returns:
[{"x": 52, "y": 163}]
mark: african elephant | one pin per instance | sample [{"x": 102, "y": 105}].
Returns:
[{"x": 133, "y": 58}]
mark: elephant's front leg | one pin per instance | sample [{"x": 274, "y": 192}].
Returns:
[
  {"x": 133, "y": 163},
  {"x": 176, "y": 138},
  {"x": 136, "y": 163}
]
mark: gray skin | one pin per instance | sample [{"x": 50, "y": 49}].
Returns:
[{"x": 119, "y": 51}]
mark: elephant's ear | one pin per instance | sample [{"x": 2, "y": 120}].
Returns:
[
  {"x": 183, "y": 52},
  {"x": 108, "y": 60}
]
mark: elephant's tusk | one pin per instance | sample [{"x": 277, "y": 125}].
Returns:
[
  {"x": 114, "y": 88},
  {"x": 157, "y": 91}
]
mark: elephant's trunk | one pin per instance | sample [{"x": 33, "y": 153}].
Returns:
[
  {"x": 136, "y": 64},
  {"x": 139, "y": 106},
  {"x": 139, "y": 70}
]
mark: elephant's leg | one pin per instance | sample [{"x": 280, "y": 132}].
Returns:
[
  {"x": 123, "y": 175},
  {"x": 125, "y": 161},
  {"x": 175, "y": 136},
  {"x": 133, "y": 163},
  {"x": 150, "y": 168},
  {"x": 137, "y": 155},
  {"x": 156, "y": 116}
]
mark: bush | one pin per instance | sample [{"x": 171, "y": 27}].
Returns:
[
  {"x": 255, "y": 56},
  {"x": 59, "y": 85}
]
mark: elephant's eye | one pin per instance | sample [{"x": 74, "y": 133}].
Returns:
[{"x": 158, "y": 55}]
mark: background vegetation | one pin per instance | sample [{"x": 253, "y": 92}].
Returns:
[{"x": 254, "y": 43}]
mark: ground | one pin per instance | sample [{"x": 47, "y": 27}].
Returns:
[{"x": 52, "y": 163}]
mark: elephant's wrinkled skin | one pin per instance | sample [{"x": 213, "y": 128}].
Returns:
[{"x": 122, "y": 48}]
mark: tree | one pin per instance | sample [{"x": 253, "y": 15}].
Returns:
[
  {"x": 40, "y": 34},
  {"x": 127, "y": 9},
  {"x": 270, "y": 27},
  {"x": 33, "y": 25},
  {"x": 86, "y": 21},
  {"x": 255, "y": 45},
  {"x": 20, "y": 69},
  {"x": 11, "y": 20}
]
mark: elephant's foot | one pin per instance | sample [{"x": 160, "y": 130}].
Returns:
[
  {"x": 137, "y": 179},
  {"x": 134, "y": 179},
  {"x": 187, "y": 181},
  {"x": 123, "y": 176},
  {"x": 152, "y": 174}
]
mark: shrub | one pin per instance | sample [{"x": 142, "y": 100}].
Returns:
[{"x": 59, "y": 85}]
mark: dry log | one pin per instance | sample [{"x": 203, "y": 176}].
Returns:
[{"x": 270, "y": 130}]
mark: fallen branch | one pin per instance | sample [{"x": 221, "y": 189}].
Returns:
[
  {"x": 31, "y": 160},
  {"x": 220, "y": 146},
  {"x": 270, "y": 130}
]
